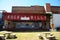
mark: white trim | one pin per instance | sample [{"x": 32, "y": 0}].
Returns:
[
  {"x": 45, "y": 8},
  {"x": 49, "y": 12}
]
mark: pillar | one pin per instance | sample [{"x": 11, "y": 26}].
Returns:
[
  {"x": 48, "y": 11},
  {"x": 6, "y": 23}
]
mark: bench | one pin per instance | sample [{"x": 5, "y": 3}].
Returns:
[
  {"x": 40, "y": 37},
  {"x": 13, "y": 36},
  {"x": 2, "y": 37}
]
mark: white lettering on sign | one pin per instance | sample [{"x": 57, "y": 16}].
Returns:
[
  {"x": 25, "y": 18},
  {"x": 8, "y": 16},
  {"x": 32, "y": 17},
  {"x": 17, "y": 17},
  {"x": 14, "y": 16},
  {"x": 41, "y": 17},
  {"x": 11, "y": 16},
  {"x": 38, "y": 18}
]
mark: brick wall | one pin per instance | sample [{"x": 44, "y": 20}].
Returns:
[
  {"x": 36, "y": 9},
  {"x": 55, "y": 9},
  {"x": 32, "y": 9}
]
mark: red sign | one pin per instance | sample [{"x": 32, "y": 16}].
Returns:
[
  {"x": 24, "y": 17},
  {"x": 32, "y": 17}
]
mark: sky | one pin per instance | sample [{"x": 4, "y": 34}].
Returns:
[{"x": 7, "y": 4}]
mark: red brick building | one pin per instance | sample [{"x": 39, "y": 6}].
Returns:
[{"x": 30, "y": 16}]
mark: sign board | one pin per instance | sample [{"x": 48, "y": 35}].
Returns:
[{"x": 24, "y": 17}]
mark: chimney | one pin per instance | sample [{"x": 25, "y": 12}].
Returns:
[{"x": 47, "y": 8}]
